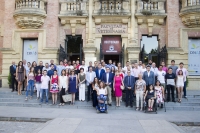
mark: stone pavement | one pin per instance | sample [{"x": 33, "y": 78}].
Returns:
[{"x": 116, "y": 121}]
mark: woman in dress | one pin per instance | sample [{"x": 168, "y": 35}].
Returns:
[
  {"x": 30, "y": 83},
  {"x": 95, "y": 87},
  {"x": 73, "y": 82},
  {"x": 54, "y": 86},
  {"x": 117, "y": 82},
  {"x": 150, "y": 96},
  {"x": 179, "y": 84},
  {"x": 38, "y": 82},
  {"x": 34, "y": 65},
  {"x": 159, "y": 93},
  {"x": 20, "y": 76},
  {"x": 63, "y": 86},
  {"x": 81, "y": 80},
  {"x": 140, "y": 88}
]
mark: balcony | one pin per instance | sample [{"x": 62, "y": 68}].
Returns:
[
  {"x": 30, "y": 13},
  {"x": 111, "y": 10},
  {"x": 190, "y": 13},
  {"x": 150, "y": 12}
]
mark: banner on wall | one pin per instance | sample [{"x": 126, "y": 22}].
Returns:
[
  {"x": 30, "y": 52},
  {"x": 111, "y": 45},
  {"x": 193, "y": 57}
]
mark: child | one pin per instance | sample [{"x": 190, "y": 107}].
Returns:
[
  {"x": 44, "y": 86},
  {"x": 150, "y": 96}
]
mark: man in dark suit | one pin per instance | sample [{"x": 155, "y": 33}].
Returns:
[
  {"x": 149, "y": 77},
  {"x": 99, "y": 72},
  {"x": 107, "y": 78},
  {"x": 13, "y": 75},
  {"x": 129, "y": 83}
]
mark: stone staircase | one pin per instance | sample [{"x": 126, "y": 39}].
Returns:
[{"x": 8, "y": 98}]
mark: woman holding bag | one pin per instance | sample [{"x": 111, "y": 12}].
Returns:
[
  {"x": 63, "y": 85},
  {"x": 117, "y": 83}
]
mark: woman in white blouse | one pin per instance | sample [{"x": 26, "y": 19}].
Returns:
[{"x": 63, "y": 85}]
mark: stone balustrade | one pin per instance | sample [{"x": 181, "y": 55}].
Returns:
[
  {"x": 190, "y": 13},
  {"x": 150, "y": 7},
  {"x": 30, "y": 13},
  {"x": 73, "y": 8}
]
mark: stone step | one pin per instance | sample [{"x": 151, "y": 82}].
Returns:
[
  {"x": 190, "y": 104},
  {"x": 184, "y": 108}
]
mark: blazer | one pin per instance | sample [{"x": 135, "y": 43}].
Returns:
[
  {"x": 132, "y": 82},
  {"x": 150, "y": 80},
  {"x": 110, "y": 78},
  {"x": 88, "y": 77},
  {"x": 12, "y": 70},
  {"x": 101, "y": 73}
]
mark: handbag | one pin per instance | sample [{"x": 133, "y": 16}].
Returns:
[
  {"x": 121, "y": 87},
  {"x": 67, "y": 98}
]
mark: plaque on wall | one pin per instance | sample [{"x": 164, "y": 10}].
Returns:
[
  {"x": 111, "y": 29},
  {"x": 111, "y": 45}
]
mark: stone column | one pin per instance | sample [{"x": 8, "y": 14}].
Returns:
[
  {"x": 132, "y": 40},
  {"x": 90, "y": 49},
  {"x": 90, "y": 24}
]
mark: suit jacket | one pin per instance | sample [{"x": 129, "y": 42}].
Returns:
[
  {"x": 132, "y": 82},
  {"x": 150, "y": 80},
  {"x": 12, "y": 70},
  {"x": 110, "y": 78},
  {"x": 88, "y": 77},
  {"x": 101, "y": 73}
]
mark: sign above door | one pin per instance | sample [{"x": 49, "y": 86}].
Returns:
[{"x": 111, "y": 29}]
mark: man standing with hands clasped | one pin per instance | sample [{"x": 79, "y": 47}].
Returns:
[
  {"x": 90, "y": 78},
  {"x": 129, "y": 83}
]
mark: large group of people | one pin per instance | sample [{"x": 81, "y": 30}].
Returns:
[{"x": 144, "y": 81}]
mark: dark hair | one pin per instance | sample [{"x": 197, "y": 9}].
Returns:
[
  {"x": 147, "y": 66},
  {"x": 179, "y": 72},
  {"x": 159, "y": 83},
  {"x": 161, "y": 65},
  {"x": 102, "y": 83},
  {"x": 64, "y": 71},
  {"x": 81, "y": 69},
  {"x": 45, "y": 71},
  {"x": 112, "y": 69},
  {"x": 54, "y": 70},
  {"x": 33, "y": 70},
  {"x": 33, "y": 63},
  {"x": 19, "y": 65},
  {"x": 127, "y": 61},
  {"x": 38, "y": 71},
  {"x": 172, "y": 61},
  {"x": 152, "y": 86},
  {"x": 90, "y": 67},
  {"x": 170, "y": 68},
  {"x": 181, "y": 63},
  {"x": 61, "y": 61},
  {"x": 94, "y": 81},
  {"x": 52, "y": 65}
]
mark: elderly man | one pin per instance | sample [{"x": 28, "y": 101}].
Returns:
[
  {"x": 84, "y": 67},
  {"x": 13, "y": 75},
  {"x": 90, "y": 75}
]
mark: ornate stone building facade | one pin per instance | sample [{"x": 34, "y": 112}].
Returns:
[{"x": 98, "y": 29}]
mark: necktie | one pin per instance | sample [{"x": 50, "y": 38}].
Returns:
[
  {"x": 129, "y": 81},
  {"x": 14, "y": 66}
]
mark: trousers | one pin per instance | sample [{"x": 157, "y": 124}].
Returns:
[
  {"x": 139, "y": 98},
  {"x": 129, "y": 97},
  {"x": 82, "y": 92},
  {"x": 109, "y": 94},
  {"x": 170, "y": 88}
]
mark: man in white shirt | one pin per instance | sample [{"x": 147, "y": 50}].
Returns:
[
  {"x": 140, "y": 65},
  {"x": 44, "y": 87},
  {"x": 60, "y": 68},
  {"x": 161, "y": 76},
  {"x": 136, "y": 71},
  {"x": 126, "y": 67},
  {"x": 90, "y": 75},
  {"x": 154, "y": 69},
  {"x": 84, "y": 67}
]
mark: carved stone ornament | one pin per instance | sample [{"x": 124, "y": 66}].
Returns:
[{"x": 30, "y": 13}]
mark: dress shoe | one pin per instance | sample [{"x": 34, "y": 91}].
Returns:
[
  {"x": 12, "y": 90},
  {"x": 131, "y": 106},
  {"x": 173, "y": 101},
  {"x": 126, "y": 105},
  {"x": 161, "y": 105}
]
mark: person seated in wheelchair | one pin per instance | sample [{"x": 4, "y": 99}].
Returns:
[
  {"x": 150, "y": 97},
  {"x": 102, "y": 92}
]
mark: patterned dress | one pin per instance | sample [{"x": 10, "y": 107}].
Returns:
[
  {"x": 159, "y": 91},
  {"x": 54, "y": 84}
]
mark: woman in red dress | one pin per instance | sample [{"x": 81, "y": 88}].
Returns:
[
  {"x": 54, "y": 87},
  {"x": 116, "y": 87}
]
